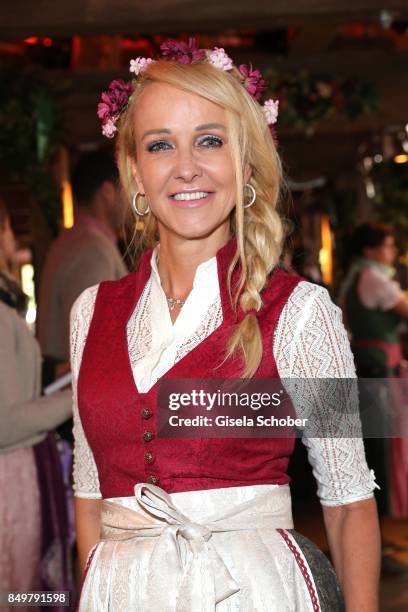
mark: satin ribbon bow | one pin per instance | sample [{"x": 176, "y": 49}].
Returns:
[{"x": 196, "y": 577}]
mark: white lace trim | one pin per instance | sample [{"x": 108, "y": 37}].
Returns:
[
  {"x": 310, "y": 342},
  {"x": 86, "y": 479}
]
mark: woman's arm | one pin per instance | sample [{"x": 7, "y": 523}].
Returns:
[
  {"x": 311, "y": 343},
  {"x": 354, "y": 540},
  {"x": 85, "y": 473},
  {"x": 401, "y": 307},
  {"x": 87, "y": 523},
  {"x": 20, "y": 423}
]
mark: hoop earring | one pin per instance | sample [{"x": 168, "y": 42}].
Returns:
[
  {"x": 253, "y": 195},
  {"x": 135, "y": 208}
]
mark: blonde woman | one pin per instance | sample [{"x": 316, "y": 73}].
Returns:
[{"x": 206, "y": 524}]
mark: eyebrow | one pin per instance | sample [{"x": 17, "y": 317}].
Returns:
[
  {"x": 199, "y": 128},
  {"x": 210, "y": 126},
  {"x": 157, "y": 131}
]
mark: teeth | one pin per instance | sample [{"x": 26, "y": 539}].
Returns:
[{"x": 195, "y": 195}]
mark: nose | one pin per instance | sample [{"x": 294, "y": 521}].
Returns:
[{"x": 187, "y": 166}]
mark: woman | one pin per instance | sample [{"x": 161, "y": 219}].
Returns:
[
  {"x": 199, "y": 166},
  {"x": 24, "y": 422},
  {"x": 375, "y": 307}
]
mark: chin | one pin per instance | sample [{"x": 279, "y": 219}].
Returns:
[{"x": 194, "y": 231}]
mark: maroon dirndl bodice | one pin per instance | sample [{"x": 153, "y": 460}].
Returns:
[{"x": 120, "y": 422}]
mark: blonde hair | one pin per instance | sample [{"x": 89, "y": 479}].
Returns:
[{"x": 258, "y": 229}]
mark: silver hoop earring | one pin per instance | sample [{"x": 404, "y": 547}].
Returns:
[
  {"x": 253, "y": 195},
  {"x": 135, "y": 208}
]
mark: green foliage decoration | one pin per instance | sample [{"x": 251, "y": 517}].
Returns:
[
  {"x": 306, "y": 100},
  {"x": 31, "y": 134}
]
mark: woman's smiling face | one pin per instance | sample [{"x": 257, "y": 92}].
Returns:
[{"x": 184, "y": 163}]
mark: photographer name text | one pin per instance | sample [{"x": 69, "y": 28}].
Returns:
[{"x": 226, "y": 421}]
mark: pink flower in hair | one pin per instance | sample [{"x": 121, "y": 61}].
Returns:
[
  {"x": 219, "y": 59},
  {"x": 139, "y": 64},
  {"x": 185, "y": 53},
  {"x": 109, "y": 129},
  {"x": 113, "y": 102},
  {"x": 253, "y": 81},
  {"x": 115, "y": 99},
  {"x": 270, "y": 109}
]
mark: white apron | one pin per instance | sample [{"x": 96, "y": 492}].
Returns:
[{"x": 199, "y": 551}]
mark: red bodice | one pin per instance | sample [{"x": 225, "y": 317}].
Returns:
[{"x": 120, "y": 423}]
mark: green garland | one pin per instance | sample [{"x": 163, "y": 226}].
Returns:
[
  {"x": 31, "y": 134},
  {"x": 306, "y": 100}
]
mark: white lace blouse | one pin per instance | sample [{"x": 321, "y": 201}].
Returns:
[{"x": 310, "y": 342}]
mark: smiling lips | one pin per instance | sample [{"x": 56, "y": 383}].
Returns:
[
  {"x": 191, "y": 199},
  {"x": 192, "y": 195}
]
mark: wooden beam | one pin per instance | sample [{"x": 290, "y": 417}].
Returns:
[{"x": 19, "y": 18}]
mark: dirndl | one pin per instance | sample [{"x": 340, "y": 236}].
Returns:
[{"x": 224, "y": 550}]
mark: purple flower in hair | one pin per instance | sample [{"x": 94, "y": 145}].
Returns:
[
  {"x": 185, "y": 53},
  {"x": 253, "y": 81},
  {"x": 114, "y": 101}
]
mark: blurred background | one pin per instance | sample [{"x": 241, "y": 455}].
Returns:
[{"x": 339, "y": 71}]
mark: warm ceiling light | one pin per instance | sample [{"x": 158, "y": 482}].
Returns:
[
  {"x": 67, "y": 205},
  {"x": 326, "y": 251},
  {"x": 402, "y": 158}
]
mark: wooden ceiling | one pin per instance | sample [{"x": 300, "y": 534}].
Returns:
[
  {"x": 19, "y": 18},
  {"x": 318, "y": 45}
]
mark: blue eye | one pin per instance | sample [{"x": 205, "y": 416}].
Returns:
[
  {"x": 159, "y": 145},
  {"x": 211, "y": 142}
]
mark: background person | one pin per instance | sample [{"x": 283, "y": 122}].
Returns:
[
  {"x": 375, "y": 308},
  {"x": 25, "y": 420},
  {"x": 375, "y": 303},
  {"x": 81, "y": 256}
]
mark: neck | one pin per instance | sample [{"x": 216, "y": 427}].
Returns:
[{"x": 179, "y": 259}]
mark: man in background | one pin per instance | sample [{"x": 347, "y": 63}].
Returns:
[{"x": 80, "y": 257}]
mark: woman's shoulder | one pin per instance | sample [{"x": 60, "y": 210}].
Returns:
[
  {"x": 306, "y": 300},
  {"x": 11, "y": 323},
  {"x": 310, "y": 338},
  {"x": 83, "y": 306},
  {"x": 293, "y": 291},
  {"x": 85, "y": 302},
  {"x": 15, "y": 334},
  {"x": 377, "y": 290},
  {"x": 8, "y": 322}
]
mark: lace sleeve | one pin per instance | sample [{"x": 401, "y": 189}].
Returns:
[
  {"x": 311, "y": 342},
  {"x": 86, "y": 480}
]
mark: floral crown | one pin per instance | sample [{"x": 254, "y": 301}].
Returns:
[{"x": 116, "y": 99}]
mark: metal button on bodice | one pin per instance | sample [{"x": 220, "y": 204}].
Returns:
[
  {"x": 147, "y": 436},
  {"x": 148, "y": 457},
  {"x": 152, "y": 480},
  {"x": 146, "y": 413}
]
